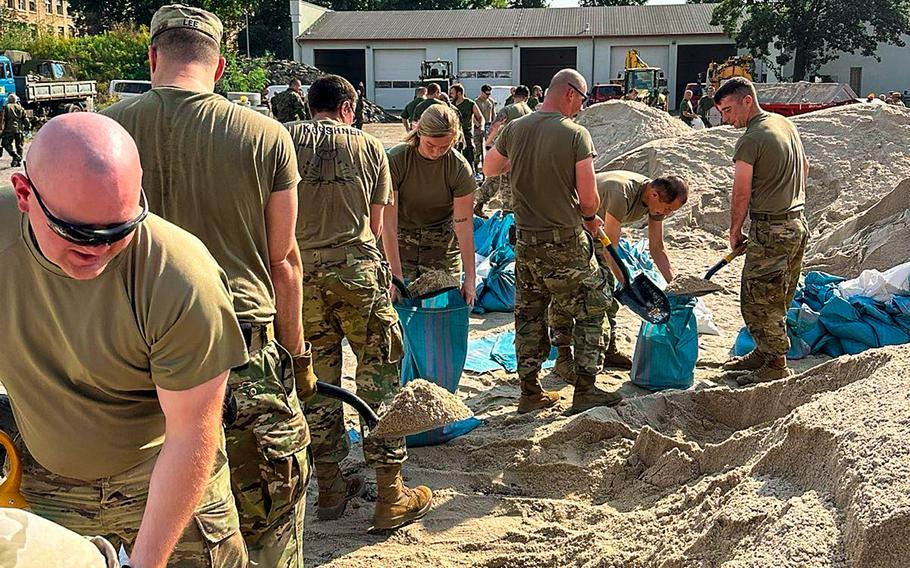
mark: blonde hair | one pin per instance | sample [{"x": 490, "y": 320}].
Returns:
[{"x": 437, "y": 121}]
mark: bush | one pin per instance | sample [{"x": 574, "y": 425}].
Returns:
[{"x": 243, "y": 74}]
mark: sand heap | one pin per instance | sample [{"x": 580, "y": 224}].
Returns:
[
  {"x": 857, "y": 155},
  {"x": 620, "y": 126},
  {"x": 812, "y": 471}
]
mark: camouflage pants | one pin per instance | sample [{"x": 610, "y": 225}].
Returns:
[
  {"x": 566, "y": 275},
  {"x": 774, "y": 259},
  {"x": 350, "y": 300},
  {"x": 562, "y": 323},
  {"x": 12, "y": 143},
  {"x": 422, "y": 250},
  {"x": 478, "y": 146},
  {"x": 112, "y": 507},
  {"x": 267, "y": 449},
  {"x": 493, "y": 185}
]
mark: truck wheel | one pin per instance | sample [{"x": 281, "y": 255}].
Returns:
[{"x": 72, "y": 107}]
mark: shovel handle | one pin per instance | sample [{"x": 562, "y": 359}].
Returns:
[
  {"x": 351, "y": 399},
  {"x": 727, "y": 259},
  {"x": 9, "y": 489},
  {"x": 608, "y": 244}
]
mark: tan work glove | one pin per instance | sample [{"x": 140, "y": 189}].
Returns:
[{"x": 304, "y": 377}]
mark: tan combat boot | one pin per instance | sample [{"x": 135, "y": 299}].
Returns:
[
  {"x": 587, "y": 395},
  {"x": 397, "y": 504},
  {"x": 772, "y": 370},
  {"x": 335, "y": 491},
  {"x": 533, "y": 397},
  {"x": 751, "y": 362},
  {"x": 613, "y": 359},
  {"x": 565, "y": 364}
]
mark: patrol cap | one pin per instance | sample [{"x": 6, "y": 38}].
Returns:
[{"x": 174, "y": 16}]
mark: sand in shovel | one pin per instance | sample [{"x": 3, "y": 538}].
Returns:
[
  {"x": 431, "y": 282},
  {"x": 688, "y": 285},
  {"x": 418, "y": 407}
]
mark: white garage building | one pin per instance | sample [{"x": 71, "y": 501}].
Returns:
[{"x": 505, "y": 47}]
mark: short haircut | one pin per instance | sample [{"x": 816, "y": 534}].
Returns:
[
  {"x": 486, "y": 89},
  {"x": 329, "y": 92},
  {"x": 522, "y": 91},
  {"x": 183, "y": 45},
  {"x": 458, "y": 88},
  {"x": 432, "y": 88},
  {"x": 738, "y": 87},
  {"x": 671, "y": 188},
  {"x": 420, "y": 91},
  {"x": 294, "y": 82},
  {"x": 537, "y": 88}
]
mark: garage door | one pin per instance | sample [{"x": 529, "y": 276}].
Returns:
[
  {"x": 539, "y": 64},
  {"x": 349, "y": 63},
  {"x": 479, "y": 66},
  {"x": 395, "y": 73}
]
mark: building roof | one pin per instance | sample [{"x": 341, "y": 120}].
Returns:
[{"x": 607, "y": 21}]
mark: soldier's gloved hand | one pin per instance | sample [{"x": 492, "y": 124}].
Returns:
[{"x": 304, "y": 376}]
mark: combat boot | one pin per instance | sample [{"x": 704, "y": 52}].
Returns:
[
  {"x": 533, "y": 397},
  {"x": 335, "y": 491},
  {"x": 397, "y": 504},
  {"x": 565, "y": 364},
  {"x": 613, "y": 359},
  {"x": 751, "y": 362},
  {"x": 587, "y": 395},
  {"x": 772, "y": 370}
]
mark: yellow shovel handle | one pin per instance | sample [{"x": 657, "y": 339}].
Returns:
[{"x": 9, "y": 489}]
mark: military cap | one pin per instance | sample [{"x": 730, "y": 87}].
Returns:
[{"x": 175, "y": 16}]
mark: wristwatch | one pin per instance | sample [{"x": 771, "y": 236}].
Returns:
[{"x": 589, "y": 219}]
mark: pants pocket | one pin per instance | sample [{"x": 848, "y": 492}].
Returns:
[{"x": 221, "y": 538}]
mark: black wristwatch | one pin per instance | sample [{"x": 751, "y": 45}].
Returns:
[{"x": 589, "y": 219}]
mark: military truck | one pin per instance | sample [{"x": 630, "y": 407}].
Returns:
[{"x": 45, "y": 87}]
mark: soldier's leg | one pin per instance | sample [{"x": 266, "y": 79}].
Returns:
[
  {"x": 561, "y": 327},
  {"x": 532, "y": 342},
  {"x": 267, "y": 447},
  {"x": 468, "y": 151},
  {"x": 19, "y": 140},
  {"x": 409, "y": 253},
  {"x": 441, "y": 252},
  {"x": 6, "y": 141},
  {"x": 763, "y": 292}
]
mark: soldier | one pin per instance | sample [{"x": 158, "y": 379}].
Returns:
[
  {"x": 358, "y": 108},
  {"x": 769, "y": 185},
  {"x": 705, "y": 105},
  {"x": 487, "y": 107},
  {"x": 686, "y": 112},
  {"x": 625, "y": 198},
  {"x": 500, "y": 184},
  {"x": 552, "y": 165},
  {"x": 434, "y": 96},
  {"x": 510, "y": 100},
  {"x": 420, "y": 94},
  {"x": 471, "y": 120},
  {"x": 119, "y": 329},
  {"x": 428, "y": 225},
  {"x": 290, "y": 105},
  {"x": 229, "y": 176},
  {"x": 346, "y": 185},
  {"x": 536, "y": 97},
  {"x": 13, "y": 124}
]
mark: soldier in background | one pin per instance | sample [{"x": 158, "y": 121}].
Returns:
[
  {"x": 13, "y": 124},
  {"x": 500, "y": 183},
  {"x": 487, "y": 107},
  {"x": 420, "y": 94},
  {"x": 290, "y": 105}
]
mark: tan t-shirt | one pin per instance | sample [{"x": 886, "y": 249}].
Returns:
[
  {"x": 773, "y": 147},
  {"x": 81, "y": 358},
  {"x": 622, "y": 195},
  {"x": 210, "y": 167},
  {"x": 343, "y": 171},
  {"x": 486, "y": 107},
  {"x": 543, "y": 148},
  {"x": 425, "y": 189}
]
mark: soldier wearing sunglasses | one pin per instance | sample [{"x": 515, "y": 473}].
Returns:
[{"x": 119, "y": 338}]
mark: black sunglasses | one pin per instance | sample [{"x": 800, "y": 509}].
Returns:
[
  {"x": 584, "y": 97},
  {"x": 89, "y": 235}
]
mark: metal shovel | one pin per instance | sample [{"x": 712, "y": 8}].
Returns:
[{"x": 640, "y": 295}]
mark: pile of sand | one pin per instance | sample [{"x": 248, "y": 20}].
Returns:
[
  {"x": 420, "y": 406},
  {"x": 804, "y": 472},
  {"x": 620, "y": 126},
  {"x": 857, "y": 154}
]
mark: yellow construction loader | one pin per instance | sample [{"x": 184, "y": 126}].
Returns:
[
  {"x": 645, "y": 79},
  {"x": 735, "y": 66}
]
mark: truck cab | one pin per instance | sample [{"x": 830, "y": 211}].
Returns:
[{"x": 7, "y": 82}]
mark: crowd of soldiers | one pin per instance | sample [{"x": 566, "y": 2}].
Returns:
[{"x": 188, "y": 268}]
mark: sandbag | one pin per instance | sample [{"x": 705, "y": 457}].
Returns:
[{"x": 665, "y": 354}]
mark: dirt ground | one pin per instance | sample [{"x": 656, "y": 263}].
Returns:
[{"x": 390, "y": 134}]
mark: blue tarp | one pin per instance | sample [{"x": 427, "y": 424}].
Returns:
[
  {"x": 822, "y": 321},
  {"x": 496, "y": 292},
  {"x": 497, "y": 351}
]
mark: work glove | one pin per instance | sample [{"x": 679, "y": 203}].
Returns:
[{"x": 304, "y": 376}]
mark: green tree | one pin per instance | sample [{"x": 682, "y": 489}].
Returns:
[
  {"x": 810, "y": 33},
  {"x": 612, "y": 2},
  {"x": 528, "y": 3}
]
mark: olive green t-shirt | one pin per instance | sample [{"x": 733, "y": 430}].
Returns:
[
  {"x": 424, "y": 105},
  {"x": 426, "y": 188},
  {"x": 486, "y": 108},
  {"x": 82, "y": 358},
  {"x": 466, "y": 111},
  {"x": 408, "y": 111},
  {"x": 543, "y": 148},
  {"x": 773, "y": 147},
  {"x": 533, "y": 102},
  {"x": 622, "y": 196},
  {"x": 343, "y": 171},
  {"x": 210, "y": 167},
  {"x": 509, "y": 113}
]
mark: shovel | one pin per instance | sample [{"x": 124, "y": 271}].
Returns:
[
  {"x": 727, "y": 259},
  {"x": 407, "y": 295},
  {"x": 640, "y": 295},
  {"x": 9, "y": 489},
  {"x": 693, "y": 286}
]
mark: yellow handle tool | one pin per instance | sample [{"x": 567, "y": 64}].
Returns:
[{"x": 9, "y": 489}]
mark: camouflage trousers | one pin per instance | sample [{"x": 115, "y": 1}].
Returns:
[
  {"x": 12, "y": 142},
  {"x": 267, "y": 449},
  {"x": 422, "y": 250},
  {"x": 562, "y": 323},
  {"x": 478, "y": 137},
  {"x": 493, "y": 185},
  {"x": 350, "y": 300},
  {"x": 774, "y": 259},
  {"x": 561, "y": 272},
  {"x": 112, "y": 507}
]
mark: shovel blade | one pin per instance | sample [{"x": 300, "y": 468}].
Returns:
[{"x": 646, "y": 300}]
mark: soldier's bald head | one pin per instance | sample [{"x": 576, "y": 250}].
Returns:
[{"x": 565, "y": 80}]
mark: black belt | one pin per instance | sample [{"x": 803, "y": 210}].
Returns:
[
  {"x": 779, "y": 217},
  {"x": 557, "y": 236},
  {"x": 256, "y": 335}
]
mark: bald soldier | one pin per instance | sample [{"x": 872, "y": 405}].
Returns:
[
  {"x": 552, "y": 169},
  {"x": 625, "y": 198},
  {"x": 769, "y": 185},
  {"x": 229, "y": 176},
  {"x": 120, "y": 336}
]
